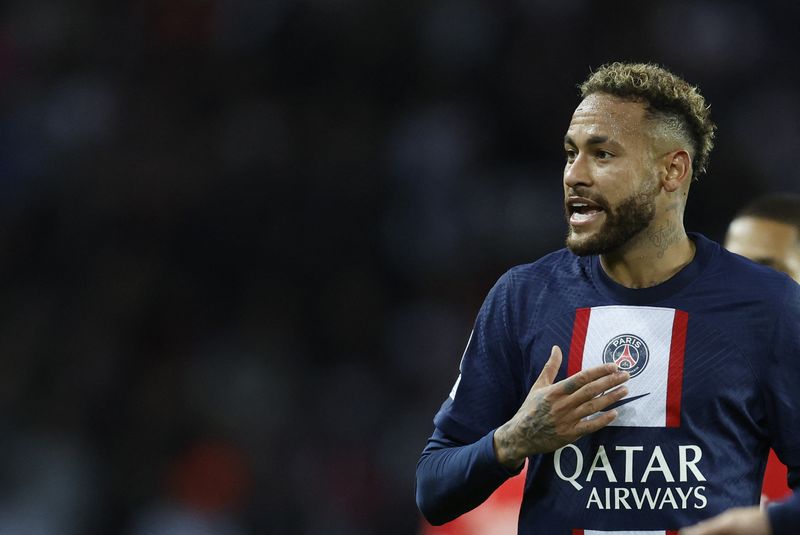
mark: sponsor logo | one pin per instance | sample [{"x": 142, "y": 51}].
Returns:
[
  {"x": 628, "y": 352},
  {"x": 634, "y": 476}
]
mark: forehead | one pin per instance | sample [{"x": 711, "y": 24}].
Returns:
[
  {"x": 600, "y": 114},
  {"x": 757, "y": 237}
]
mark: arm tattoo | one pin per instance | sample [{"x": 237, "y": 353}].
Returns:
[
  {"x": 534, "y": 432},
  {"x": 538, "y": 427}
]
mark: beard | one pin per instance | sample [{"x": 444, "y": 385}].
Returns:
[{"x": 621, "y": 224}]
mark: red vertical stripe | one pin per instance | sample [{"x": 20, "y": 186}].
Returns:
[
  {"x": 575, "y": 358},
  {"x": 672, "y": 531},
  {"x": 675, "y": 377},
  {"x": 577, "y": 532},
  {"x": 775, "y": 486}
]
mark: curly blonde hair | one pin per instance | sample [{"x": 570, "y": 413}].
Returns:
[{"x": 669, "y": 99}]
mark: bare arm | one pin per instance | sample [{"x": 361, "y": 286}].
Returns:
[{"x": 739, "y": 521}]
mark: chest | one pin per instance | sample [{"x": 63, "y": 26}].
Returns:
[{"x": 683, "y": 365}]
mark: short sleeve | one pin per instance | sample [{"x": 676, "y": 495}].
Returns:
[{"x": 488, "y": 392}]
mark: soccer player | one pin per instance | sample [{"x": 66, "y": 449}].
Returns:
[
  {"x": 768, "y": 232},
  {"x": 680, "y": 360}
]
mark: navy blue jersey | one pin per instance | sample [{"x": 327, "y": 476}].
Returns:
[{"x": 714, "y": 359}]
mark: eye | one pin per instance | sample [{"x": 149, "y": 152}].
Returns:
[
  {"x": 603, "y": 155},
  {"x": 571, "y": 154}
]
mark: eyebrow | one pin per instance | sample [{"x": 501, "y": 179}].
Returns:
[{"x": 593, "y": 140}]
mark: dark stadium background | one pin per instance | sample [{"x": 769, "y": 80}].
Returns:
[{"x": 242, "y": 242}]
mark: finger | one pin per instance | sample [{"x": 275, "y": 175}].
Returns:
[
  {"x": 598, "y": 386},
  {"x": 715, "y": 526},
  {"x": 737, "y": 521},
  {"x": 572, "y": 384},
  {"x": 550, "y": 369},
  {"x": 719, "y": 525},
  {"x": 600, "y": 403},
  {"x": 584, "y": 427}
]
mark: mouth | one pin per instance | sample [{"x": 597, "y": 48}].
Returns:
[{"x": 582, "y": 211}]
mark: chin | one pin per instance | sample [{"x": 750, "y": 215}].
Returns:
[
  {"x": 601, "y": 241},
  {"x": 582, "y": 244}
]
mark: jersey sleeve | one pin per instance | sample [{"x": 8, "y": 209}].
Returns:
[
  {"x": 489, "y": 389},
  {"x": 783, "y": 383},
  {"x": 453, "y": 478}
]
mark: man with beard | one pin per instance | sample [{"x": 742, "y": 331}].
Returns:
[{"x": 680, "y": 364}]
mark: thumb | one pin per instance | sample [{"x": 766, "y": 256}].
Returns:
[{"x": 550, "y": 369}]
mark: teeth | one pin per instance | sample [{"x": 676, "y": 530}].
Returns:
[
  {"x": 579, "y": 205},
  {"x": 578, "y": 217}
]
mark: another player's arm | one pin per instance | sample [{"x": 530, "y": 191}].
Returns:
[
  {"x": 553, "y": 414},
  {"x": 777, "y": 519},
  {"x": 738, "y": 521},
  {"x": 453, "y": 477}
]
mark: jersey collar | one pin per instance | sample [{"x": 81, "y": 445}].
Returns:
[{"x": 705, "y": 250}]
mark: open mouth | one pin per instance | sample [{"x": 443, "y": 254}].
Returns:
[{"x": 582, "y": 211}]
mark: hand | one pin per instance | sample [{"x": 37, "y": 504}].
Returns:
[
  {"x": 739, "y": 521},
  {"x": 552, "y": 414}
]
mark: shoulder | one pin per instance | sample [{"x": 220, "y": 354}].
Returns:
[
  {"x": 549, "y": 268},
  {"x": 737, "y": 275},
  {"x": 752, "y": 292},
  {"x": 754, "y": 280},
  {"x": 543, "y": 283}
]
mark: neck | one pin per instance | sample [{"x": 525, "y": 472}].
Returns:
[{"x": 652, "y": 257}]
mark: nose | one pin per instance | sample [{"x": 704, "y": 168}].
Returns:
[{"x": 576, "y": 173}]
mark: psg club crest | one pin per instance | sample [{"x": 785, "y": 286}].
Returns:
[{"x": 628, "y": 352}]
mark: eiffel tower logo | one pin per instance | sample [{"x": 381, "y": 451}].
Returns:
[
  {"x": 626, "y": 360},
  {"x": 628, "y": 352}
]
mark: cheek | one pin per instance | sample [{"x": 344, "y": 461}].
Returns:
[
  {"x": 793, "y": 263},
  {"x": 618, "y": 183}
]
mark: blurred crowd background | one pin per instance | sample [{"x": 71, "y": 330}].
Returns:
[{"x": 242, "y": 242}]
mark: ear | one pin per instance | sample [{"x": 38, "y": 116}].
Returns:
[{"x": 678, "y": 164}]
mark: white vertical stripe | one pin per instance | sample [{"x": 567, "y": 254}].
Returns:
[
  {"x": 654, "y": 327},
  {"x": 460, "y": 365}
]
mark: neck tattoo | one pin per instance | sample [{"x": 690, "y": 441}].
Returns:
[{"x": 663, "y": 237}]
